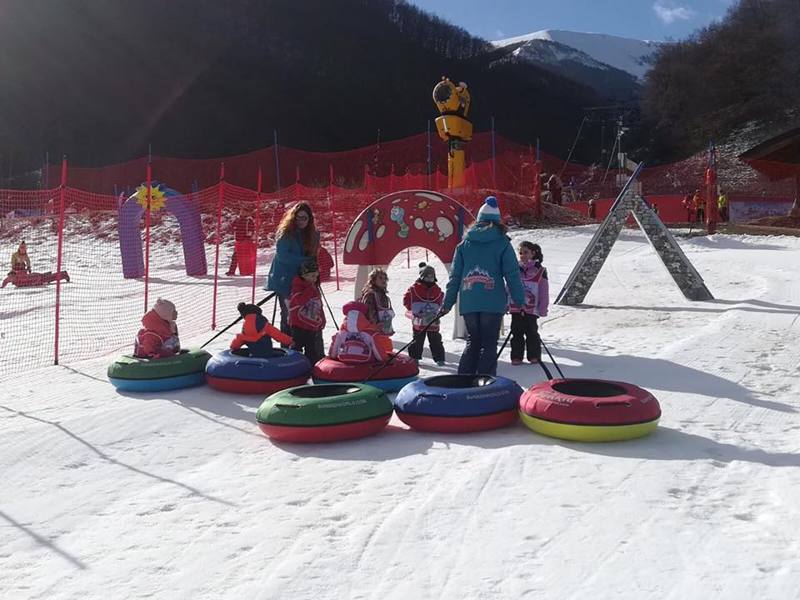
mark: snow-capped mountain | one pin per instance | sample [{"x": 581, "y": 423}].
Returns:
[{"x": 596, "y": 50}]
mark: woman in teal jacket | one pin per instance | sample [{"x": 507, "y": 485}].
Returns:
[
  {"x": 481, "y": 264},
  {"x": 297, "y": 240}
]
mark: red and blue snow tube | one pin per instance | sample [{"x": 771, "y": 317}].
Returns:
[
  {"x": 589, "y": 410},
  {"x": 229, "y": 372},
  {"x": 395, "y": 375},
  {"x": 458, "y": 403}
]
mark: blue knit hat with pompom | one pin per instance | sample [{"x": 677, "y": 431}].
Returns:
[{"x": 489, "y": 210}]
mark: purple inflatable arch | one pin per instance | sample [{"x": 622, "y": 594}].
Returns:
[{"x": 130, "y": 239}]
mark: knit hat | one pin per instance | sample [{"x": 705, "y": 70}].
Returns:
[
  {"x": 489, "y": 210},
  {"x": 310, "y": 266},
  {"x": 426, "y": 271},
  {"x": 248, "y": 309},
  {"x": 165, "y": 309}
]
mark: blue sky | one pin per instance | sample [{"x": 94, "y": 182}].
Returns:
[{"x": 656, "y": 20}]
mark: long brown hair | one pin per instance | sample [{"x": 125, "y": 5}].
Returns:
[
  {"x": 370, "y": 285},
  {"x": 308, "y": 235}
]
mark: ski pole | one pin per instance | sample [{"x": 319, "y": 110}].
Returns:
[
  {"x": 503, "y": 347},
  {"x": 322, "y": 293},
  {"x": 552, "y": 359},
  {"x": 265, "y": 299},
  {"x": 546, "y": 370},
  {"x": 274, "y": 309},
  {"x": 423, "y": 331}
]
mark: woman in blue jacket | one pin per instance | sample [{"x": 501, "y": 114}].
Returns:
[
  {"x": 483, "y": 260},
  {"x": 296, "y": 241}
]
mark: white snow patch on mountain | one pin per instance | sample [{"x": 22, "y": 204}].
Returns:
[{"x": 622, "y": 53}]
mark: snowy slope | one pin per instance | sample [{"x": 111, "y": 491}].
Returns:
[
  {"x": 178, "y": 495},
  {"x": 625, "y": 54}
]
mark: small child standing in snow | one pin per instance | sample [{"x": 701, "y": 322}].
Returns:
[
  {"x": 158, "y": 337},
  {"x": 524, "y": 326},
  {"x": 257, "y": 334},
  {"x": 424, "y": 301},
  {"x": 306, "y": 317},
  {"x": 379, "y": 307}
]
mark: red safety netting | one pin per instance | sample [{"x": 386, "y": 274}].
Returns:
[{"x": 99, "y": 310}]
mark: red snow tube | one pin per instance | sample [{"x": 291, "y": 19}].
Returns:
[
  {"x": 391, "y": 378},
  {"x": 589, "y": 410}
]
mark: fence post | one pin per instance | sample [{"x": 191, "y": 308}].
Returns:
[
  {"x": 429, "y": 153},
  {"x": 494, "y": 159},
  {"x": 255, "y": 235},
  {"x": 220, "y": 198},
  {"x": 147, "y": 230},
  {"x": 62, "y": 193},
  {"x": 277, "y": 161},
  {"x": 333, "y": 221}
]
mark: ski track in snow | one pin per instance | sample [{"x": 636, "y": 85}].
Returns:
[{"x": 178, "y": 495}]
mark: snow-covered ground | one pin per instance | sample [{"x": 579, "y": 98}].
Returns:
[{"x": 178, "y": 495}]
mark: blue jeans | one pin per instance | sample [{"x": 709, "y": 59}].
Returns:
[{"x": 480, "y": 355}]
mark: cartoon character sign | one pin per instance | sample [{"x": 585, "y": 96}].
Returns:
[{"x": 418, "y": 218}]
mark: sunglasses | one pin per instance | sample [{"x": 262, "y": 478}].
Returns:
[{"x": 301, "y": 217}]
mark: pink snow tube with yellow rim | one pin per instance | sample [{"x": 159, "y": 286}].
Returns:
[{"x": 589, "y": 410}]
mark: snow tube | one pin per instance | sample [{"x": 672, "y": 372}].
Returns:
[
  {"x": 324, "y": 413},
  {"x": 589, "y": 410},
  {"x": 401, "y": 370},
  {"x": 458, "y": 403},
  {"x": 183, "y": 370},
  {"x": 229, "y": 372}
]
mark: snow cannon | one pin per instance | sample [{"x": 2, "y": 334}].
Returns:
[{"x": 453, "y": 127}]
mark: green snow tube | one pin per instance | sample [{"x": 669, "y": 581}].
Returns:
[
  {"x": 324, "y": 413},
  {"x": 158, "y": 374}
]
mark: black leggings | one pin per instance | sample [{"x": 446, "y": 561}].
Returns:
[{"x": 525, "y": 336}]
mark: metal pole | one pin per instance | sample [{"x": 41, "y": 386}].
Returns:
[
  {"x": 147, "y": 229},
  {"x": 494, "y": 158},
  {"x": 255, "y": 235},
  {"x": 277, "y": 161},
  {"x": 62, "y": 193},
  {"x": 429, "y": 154},
  {"x": 333, "y": 224},
  {"x": 220, "y": 198}
]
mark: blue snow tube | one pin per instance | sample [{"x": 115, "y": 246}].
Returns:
[
  {"x": 458, "y": 403},
  {"x": 229, "y": 372}
]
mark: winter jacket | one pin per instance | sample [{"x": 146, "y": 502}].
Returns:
[
  {"x": 243, "y": 228},
  {"x": 257, "y": 334},
  {"x": 423, "y": 303},
  {"x": 357, "y": 341},
  {"x": 379, "y": 310},
  {"x": 20, "y": 262},
  {"x": 289, "y": 255},
  {"x": 537, "y": 290},
  {"x": 157, "y": 338},
  {"x": 481, "y": 262},
  {"x": 305, "y": 306}
]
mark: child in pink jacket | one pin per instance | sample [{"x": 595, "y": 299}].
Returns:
[{"x": 524, "y": 326}]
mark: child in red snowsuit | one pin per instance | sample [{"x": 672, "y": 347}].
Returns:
[
  {"x": 306, "y": 317},
  {"x": 424, "y": 301},
  {"x": 257, "y": 334},
  {"x": 357, "y": 340},
  {"x": 158, "y": 337},
  {"x": 25, "y": 279},
  {"x": 524, "y": 326}
]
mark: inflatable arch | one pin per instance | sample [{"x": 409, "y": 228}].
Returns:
[
  {"x": 130, "y": 238},
  {"x": 402, "y": 220}
]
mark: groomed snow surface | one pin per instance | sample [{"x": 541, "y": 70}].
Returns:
[{"x": 178, "y": 495}]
